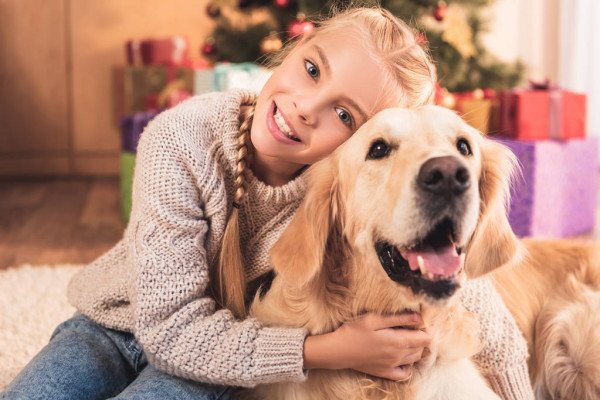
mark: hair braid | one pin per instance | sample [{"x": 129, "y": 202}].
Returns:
[{"x": 230, "y": 276}]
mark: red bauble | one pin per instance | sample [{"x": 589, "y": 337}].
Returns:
[
  {"x": 208, "y": 48},
  {"x": 422, "y": 38},
  {"x": 439, "y": 13},
  {"x": 282, "y": 3},
  {"x": 300, "y": 27}
]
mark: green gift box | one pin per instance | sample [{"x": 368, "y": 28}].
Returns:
[{"x": 127, "y": 167}]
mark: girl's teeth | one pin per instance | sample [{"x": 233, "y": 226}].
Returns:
[{"x": 280, "y": 121}]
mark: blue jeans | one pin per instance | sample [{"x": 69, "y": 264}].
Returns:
[{"x": 84, "y": 360}]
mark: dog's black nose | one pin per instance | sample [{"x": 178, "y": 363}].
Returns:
[{"x": 445, "y": 176}]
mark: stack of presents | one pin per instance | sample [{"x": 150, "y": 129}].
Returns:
[
  {"x": 159, "y": 75},
  {"x": 555, "y": 196}
]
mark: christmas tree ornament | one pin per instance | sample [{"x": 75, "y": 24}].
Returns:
[
  {"x": 213, "y": 10},
  {"x": 301, "y": 26},
  {"x": 449, "y": 101},
  {"x": 458, "y": 32},
  {"x": 282, "y": 3},
  {"x": 478, "y": 94},
  {"x": 208, "y": 48},
  {"x": 271, "y": 43},
  {"x": 439, "y": 12},
  {"x": 422, "y": 38}
]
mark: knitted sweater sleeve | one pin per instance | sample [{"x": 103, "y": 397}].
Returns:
[
  {"x": 174, "y": 321},
  {"x": 503, "y": 358}
]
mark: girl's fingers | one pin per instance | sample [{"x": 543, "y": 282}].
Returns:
[
  {"x": 378, "y": 322},
  {"x": 413, "y": 357},
  {"x": 400, "y": 373},
  {"x": 414, "y": 339}
]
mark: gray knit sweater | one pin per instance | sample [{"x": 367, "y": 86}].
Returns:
[{"x": 153, "y": 282}]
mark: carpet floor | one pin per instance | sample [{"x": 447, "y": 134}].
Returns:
[{"x": 32, "y": 303}]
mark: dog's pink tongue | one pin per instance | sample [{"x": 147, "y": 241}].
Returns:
[{"x": 441, "y": 261}]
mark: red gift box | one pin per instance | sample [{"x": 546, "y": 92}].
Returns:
[
  {"x": 167, "y": 51},
  {"x": 542, "y": 114}
]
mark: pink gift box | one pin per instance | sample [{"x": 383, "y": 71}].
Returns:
[{"x": 556, "y": 195}]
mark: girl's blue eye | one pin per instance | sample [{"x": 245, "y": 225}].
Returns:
[
  {"x": 312, "y": 70},
  {"x": 344, "y": 116}
]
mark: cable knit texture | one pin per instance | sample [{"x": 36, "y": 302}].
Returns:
[
  {"x": 503, "y": 358},
  {"x": 153, "y": 282}
]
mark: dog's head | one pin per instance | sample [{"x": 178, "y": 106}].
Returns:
[{"x": 417, "y": 196}]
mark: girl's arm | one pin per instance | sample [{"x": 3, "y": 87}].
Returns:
[
  {"x": 175, "y": 322},
  {"x": 503, "y": 359}
]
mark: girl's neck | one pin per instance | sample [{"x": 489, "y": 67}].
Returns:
[{"x": 272, "y": 171}]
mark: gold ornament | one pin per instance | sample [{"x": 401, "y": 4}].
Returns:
[
  {"x": 478, "y": 94},
  {"x": 458, "y": 32},
  {"x": 448, "y": 101},
  {"x": 271, "y": 43}
]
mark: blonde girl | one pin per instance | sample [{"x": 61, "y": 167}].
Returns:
[{"x": 162, "y": 314}]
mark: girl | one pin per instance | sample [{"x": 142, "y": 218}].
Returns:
[{"x": 162, "y": 314}]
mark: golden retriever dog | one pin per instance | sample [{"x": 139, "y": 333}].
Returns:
[
  {"x": 392, "y": 221},
  {"x": 555, "y": 298}
]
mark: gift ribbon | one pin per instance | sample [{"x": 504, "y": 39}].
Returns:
[{"x": 555, "y": 113}]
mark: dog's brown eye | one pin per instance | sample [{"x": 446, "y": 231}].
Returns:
[
  {"x": 463, "y": 147},
  {"x": 379, "y": 149}
]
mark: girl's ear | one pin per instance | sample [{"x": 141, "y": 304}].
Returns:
[
  {"x": 298, "y": 254},
  {"x": 494, "y": 242}
]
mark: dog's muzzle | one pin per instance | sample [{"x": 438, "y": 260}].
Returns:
[{"x": 439, "y": 283}]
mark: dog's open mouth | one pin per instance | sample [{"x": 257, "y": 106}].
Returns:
[{"x": 430, "y": 265}]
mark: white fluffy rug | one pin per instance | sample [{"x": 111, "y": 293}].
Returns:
[{"x": 32, "y": 303}]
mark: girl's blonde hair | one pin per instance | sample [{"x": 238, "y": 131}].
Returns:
[{"x": 406, "y": 63}]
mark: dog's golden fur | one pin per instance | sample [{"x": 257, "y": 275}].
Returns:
[
  {"x": 328, "y": 271},
  {"x": 555, "y": 298}
]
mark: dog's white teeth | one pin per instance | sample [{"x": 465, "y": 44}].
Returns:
[{"x": 421, "y": 264}]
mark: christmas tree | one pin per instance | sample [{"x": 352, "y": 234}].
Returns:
[{"x": 247, "y": 30}]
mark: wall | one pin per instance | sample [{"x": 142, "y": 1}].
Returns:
[
  {"x": 56, "y": 94},
  {"x": 527, "y": 30}
]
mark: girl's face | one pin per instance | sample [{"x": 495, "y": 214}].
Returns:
[{"x": 324, "y": 90}]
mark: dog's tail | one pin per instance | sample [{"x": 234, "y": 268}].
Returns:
[{"x": 568, "y": 345}]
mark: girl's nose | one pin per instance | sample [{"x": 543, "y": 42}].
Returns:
[{"x": 307, "y": 109}]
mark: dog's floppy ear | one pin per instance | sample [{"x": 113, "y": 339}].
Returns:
[
  {"x": 493, "y": 243},
  {"x": 299, "y": 253}
]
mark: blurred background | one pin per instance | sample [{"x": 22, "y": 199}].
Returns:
[{"x": 80, "y": 78}]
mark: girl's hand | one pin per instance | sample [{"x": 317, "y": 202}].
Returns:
[{"x": 372, "y": 344}]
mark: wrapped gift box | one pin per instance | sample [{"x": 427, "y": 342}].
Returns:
[
  {"x": 127, "y": 168},
  {"x": 204, "y": 80},
  {"x": 173, "y": 51},
  {"x": 240, "y": 76},
  {"x": 132, "y": 127},
  {"x": 542, "y": 114},
  {"x": 138, "y": 88},
  {"x": 556, "y": 196},
  {"x": 476, "y": 112},
  {"x": 475, "y": 107}
]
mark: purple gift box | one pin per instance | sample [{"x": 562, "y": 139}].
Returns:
[
  {"x": 132, "y": 127},
  {"x": 556, "y": 195}
]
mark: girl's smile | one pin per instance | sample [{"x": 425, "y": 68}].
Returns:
[{"x": 280, "y": 128}]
